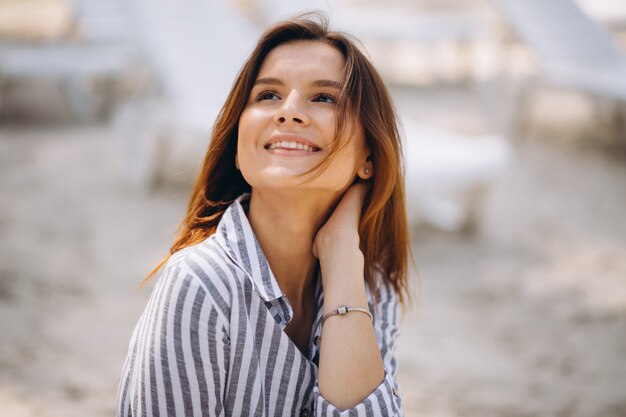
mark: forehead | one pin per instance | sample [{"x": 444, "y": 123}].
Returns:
[{"x": 303, "y": 58}]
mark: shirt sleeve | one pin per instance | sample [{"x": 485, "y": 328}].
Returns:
[
  {"x": 385, "y": 400},
  {"x": 178, "y": 355}
]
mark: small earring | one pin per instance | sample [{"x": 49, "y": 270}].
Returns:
[{"x": 367, "y": 171}]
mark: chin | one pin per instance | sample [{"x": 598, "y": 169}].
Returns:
[
  {"x": 289, "y": 179},
  {"x": 276, "y": 178},
  {"x": 313, "y": 188}
]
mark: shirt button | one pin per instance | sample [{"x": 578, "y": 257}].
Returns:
[
  {"x": 317, "y": 340},
  {"x": 304, "y": 413}
]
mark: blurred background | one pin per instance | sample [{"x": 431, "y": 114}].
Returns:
[{"x": 514, "y": 124}]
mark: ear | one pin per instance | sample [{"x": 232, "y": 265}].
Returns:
[{"x": 366, "y": 170}]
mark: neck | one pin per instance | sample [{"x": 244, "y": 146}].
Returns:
[{"x": 285, "y": 226}]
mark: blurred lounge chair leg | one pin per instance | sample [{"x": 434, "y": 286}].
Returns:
[
  {"x": 142, "y": 126},
  {"x": 3, "y": 81},
  {"x": 84, "y": 105},
  {"x": 520, "y": 116}
]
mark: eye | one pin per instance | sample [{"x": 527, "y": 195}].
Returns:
[
  {"x": 265, "y": 95},
  {"x": 325, "y": 98}
]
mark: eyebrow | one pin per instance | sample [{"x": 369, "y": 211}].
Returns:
[{"x": 316, "y": 83}]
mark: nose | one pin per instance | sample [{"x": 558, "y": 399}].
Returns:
[{"x": 292, "y": 110}]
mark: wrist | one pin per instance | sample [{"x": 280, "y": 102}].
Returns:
[
  {"x": 340, "y": 252},
  {"x": 342, "y": 264},
  {"x": 337, "y": 245},
  {"x": 343, "y": 280}
]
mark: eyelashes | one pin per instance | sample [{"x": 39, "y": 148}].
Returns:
[
  {"x": 332, "y": 99},
  {"x": 263, "y": 95},
  {"x": 322, "y": 97}
]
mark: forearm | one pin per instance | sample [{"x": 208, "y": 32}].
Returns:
[{"x": 351, "y": 366}]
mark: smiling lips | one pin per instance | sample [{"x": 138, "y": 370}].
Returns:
[
  {"x": 285, "y": 144},
  {"x": 291, "y": 146}
]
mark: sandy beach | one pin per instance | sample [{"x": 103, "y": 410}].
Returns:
[
  {"x": 523, "y": 316},
  {"x": 526, "y": 317}
]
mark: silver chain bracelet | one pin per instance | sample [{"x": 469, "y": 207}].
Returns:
[{"x": 343, "y": 310}]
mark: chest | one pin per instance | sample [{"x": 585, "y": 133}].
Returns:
[
  {"x": 300, "y": 326},
  {"x": 299, "y": 332}
]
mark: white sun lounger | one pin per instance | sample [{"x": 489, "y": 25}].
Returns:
[
  {"x": 573, "y": 51},
  {"x": 102, "y": 51},
  {"x": 195, "y": 48},
  {"x": 447, "y": 174}
]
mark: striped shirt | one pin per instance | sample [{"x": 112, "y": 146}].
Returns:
[{"x": 211, "y": 340}]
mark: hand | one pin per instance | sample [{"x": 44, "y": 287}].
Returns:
[{"x": 341, "y": 230}]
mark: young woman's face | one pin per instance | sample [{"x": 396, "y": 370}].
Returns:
[{"x": 288, "y": 123}]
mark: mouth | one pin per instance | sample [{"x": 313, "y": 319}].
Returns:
[{"x": 291, "y": 143}]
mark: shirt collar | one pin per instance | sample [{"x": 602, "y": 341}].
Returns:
[{"x": 235, "y": 235}]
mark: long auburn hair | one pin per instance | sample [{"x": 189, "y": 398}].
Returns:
[{"x": 363, "y": 98}]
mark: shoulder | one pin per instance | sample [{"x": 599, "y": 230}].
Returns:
[
  {"x": 203, "y": 269},
  {"x": 206, "y": 261},
  {"x": 382, "y": 290}
]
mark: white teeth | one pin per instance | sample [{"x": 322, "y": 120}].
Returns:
[{"x": 290, "y": 145}]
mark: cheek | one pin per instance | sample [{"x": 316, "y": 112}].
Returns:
[
  {"x": 243, "y": 126},
  {"x": 345, "y": 164},
  {"x": 253, "y": 126},
  {"x": 245, "y": 133},
  {"x": 327, "y": 123}
]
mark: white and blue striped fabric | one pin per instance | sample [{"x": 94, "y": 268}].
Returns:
[{"x": 211, "y": 342}]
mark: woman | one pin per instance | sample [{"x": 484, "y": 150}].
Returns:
[{"x": 280, "y": 295}]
